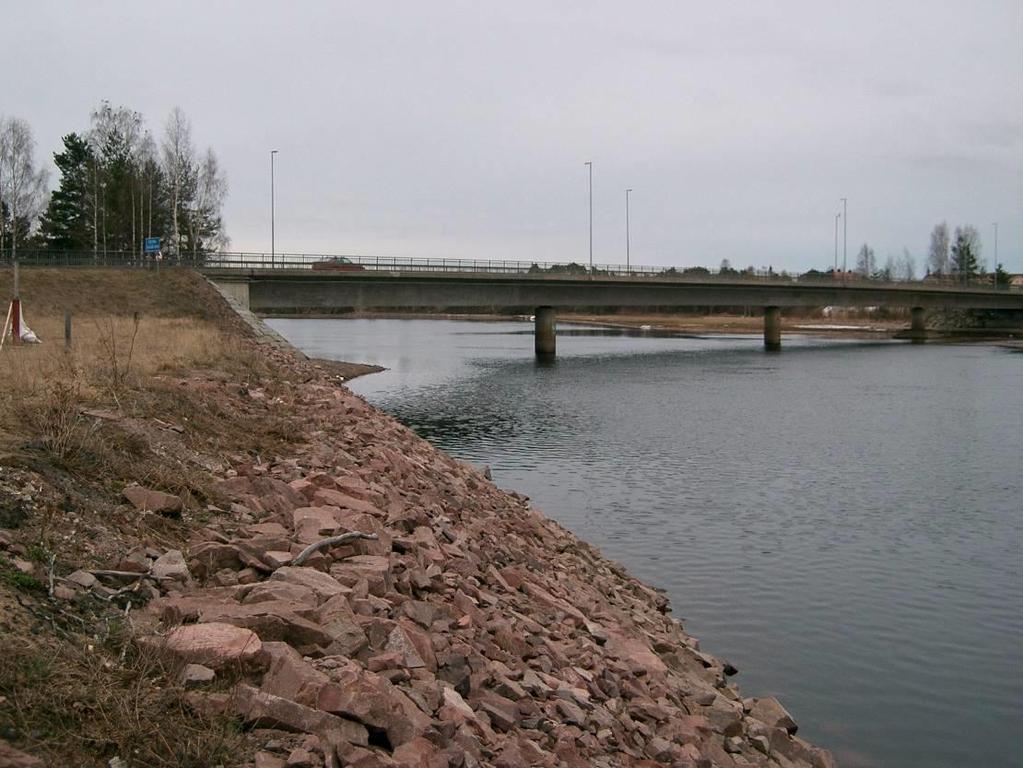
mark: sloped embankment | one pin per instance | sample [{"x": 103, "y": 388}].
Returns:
[
  {"x": 465, "y": 630},
  {"x": 471, "y": 631}
]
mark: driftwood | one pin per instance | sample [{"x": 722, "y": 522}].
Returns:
[
  {"x": 333, "y": 541},
  {"x": 130, "y": 574}
]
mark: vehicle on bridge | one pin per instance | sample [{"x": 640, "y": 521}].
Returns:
[{"x": 338, "y": 264}]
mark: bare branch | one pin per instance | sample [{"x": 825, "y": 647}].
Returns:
[{"x": 333, "y": 541}]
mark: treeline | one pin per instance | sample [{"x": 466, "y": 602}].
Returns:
[{"x": 117, "y": 186}]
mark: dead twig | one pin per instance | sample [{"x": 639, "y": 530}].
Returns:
[
  {"x": 130, "y": 574},
  {"x": 53, "y": 560},
  {"x": 333, "y": 541}
]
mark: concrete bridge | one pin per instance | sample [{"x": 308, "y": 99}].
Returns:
[{"x": 292, "y": 289}]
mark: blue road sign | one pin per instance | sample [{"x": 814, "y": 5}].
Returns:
[{"x": 152, "y": 245}]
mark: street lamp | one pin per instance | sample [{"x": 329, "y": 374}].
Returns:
[
  {"x": 845, "y": 234},
  {"x": 994, "y": 264},
  {"x": 837, "y": 217},
  {"x": 272, "y": 233},
  {"x": 589, "y": 164},
  {"x": 627, "y": 229}
]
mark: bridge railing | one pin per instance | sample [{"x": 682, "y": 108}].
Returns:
[{"x": 333, "y": 263}]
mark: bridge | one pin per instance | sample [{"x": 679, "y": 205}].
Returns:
[{"x": 287, "y": 285}]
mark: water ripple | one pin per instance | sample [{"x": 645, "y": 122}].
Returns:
[{"x": 841, "y": 521}]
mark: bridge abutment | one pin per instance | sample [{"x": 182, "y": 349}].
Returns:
[
  {"x": 544, "y": 332},
  {"x": 772, "y": 328},
  {"x": 917, "y": 328}
]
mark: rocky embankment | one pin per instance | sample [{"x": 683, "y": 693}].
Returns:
[
  {"x": 469, "y": 631},
  {"x": 459, "y": 628}
]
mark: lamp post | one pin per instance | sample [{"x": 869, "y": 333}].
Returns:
[
  {"x": 845, "y": 234},
  {"x": 273, "y": 244},
  {"x": 833, "y": 271},
  {"x": 589, "y": 164},
  {"x": 627, "y": 245},
  {"x": 994, "y": 264}
]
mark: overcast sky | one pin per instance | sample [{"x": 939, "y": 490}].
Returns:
[{"x": 461, "y": 129}]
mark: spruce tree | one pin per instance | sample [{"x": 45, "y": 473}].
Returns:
[{"x": 67, "y": 221}]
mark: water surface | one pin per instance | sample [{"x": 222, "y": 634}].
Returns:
[{"x": 842, "y": 521}]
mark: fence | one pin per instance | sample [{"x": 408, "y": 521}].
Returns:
[{"x": 331, "y": 263}]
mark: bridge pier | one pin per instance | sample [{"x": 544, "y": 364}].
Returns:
[
  {"x": 543, "y": 332},
  {"x": 917, "y": 329},
  {"x": 772, "y": 328}
]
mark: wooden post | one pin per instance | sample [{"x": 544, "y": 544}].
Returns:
[{"x": 67, "y": 329}]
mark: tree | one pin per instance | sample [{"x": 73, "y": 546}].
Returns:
[
  {"x": 726, "y": 268},
  {"x": 67, "y": 223},
  {"x": 966, "y": 252},
  {"x": 866, "y": 265},
  {"x": 1001, "y": 276},
  {"x": 22, "y": 185},
  {"x": 205, "y": 229},
  {"x": 887, "y": 272},
  {"x": 178, "y": 168},
  {"x": 937, "y": 255},
  {"x": 905, "y": 266}
]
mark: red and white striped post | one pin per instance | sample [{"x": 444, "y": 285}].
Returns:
[{"x": 16, "y": 308}]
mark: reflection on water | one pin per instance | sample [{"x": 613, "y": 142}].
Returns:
[{"x": 842, "y": 520}]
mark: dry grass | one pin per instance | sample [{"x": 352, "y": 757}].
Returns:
[
  {"x": 111, "y": 360},
  {"x": 77, "y": 702}
]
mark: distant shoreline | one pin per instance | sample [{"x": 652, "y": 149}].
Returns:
[{"x": 825, "y": 327}]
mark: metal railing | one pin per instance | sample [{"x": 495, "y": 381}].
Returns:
[{"x": 340, "y": 264}]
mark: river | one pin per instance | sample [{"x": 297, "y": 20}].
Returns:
[{"x": 843, "y": 521}]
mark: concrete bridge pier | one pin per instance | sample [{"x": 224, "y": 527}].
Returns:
[
  {"x": 917, "y": 329},
  {"x": 772, "y": 328},
  {"x": 543, "y": 332}
]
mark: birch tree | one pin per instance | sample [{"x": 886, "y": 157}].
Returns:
[
  {"x": 22, "y": 185},
  {"x": 178, "y": 167},
  {"x": 937, "y": 254},
  {"x": 205, "y": 226},
  {"x": 905, "y": 266}
]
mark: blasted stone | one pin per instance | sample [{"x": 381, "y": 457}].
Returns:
[
  {"x": 770, "y": 712},
  {"x": 148, "y": 500},
  {"x": 15, "y": 758},
  {"x": 266, "y": 760},
  {"x": 171, "y": 565},
  {"x": 83, "y": 579},
  {"x": 337, "y": 619},
  {"x": 374, "y": 569},
  {"x": 323, "y": 585},
  {"x": 264, "y": 710},
  {"x": 289, "y": 676},
  {"x": 301, "y": 758},
  {"x": 214, "y": 644},
  {"x": 414, "y": 647},
  {"x": 297, "y": 594},
  {"x": 374, "y": 701},
  {"x": 195, "y": 675},
  {"x": 328, "y": 496},
  {"x": 271, "y": 620}
]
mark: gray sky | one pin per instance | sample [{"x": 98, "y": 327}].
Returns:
[{"x": 461, "y": 129}]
